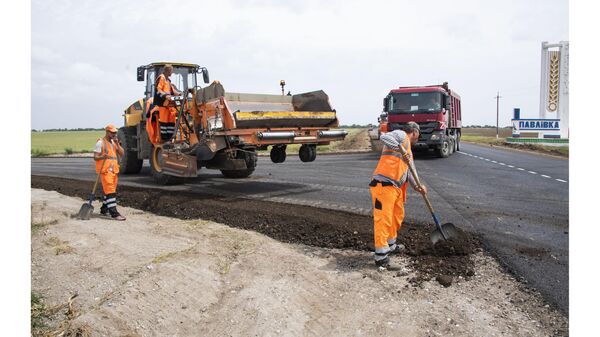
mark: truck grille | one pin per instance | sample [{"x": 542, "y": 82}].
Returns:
[{"x": 426, "y": 127}]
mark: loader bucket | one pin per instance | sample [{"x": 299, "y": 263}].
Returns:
[{"x": 310, "y": 109}]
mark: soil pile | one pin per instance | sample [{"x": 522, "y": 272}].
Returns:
[
  {"x": 450, "y": 258},
  {"x": 290, "y": 223}
]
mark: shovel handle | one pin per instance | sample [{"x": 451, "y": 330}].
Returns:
[
  {"x": 413, "y": 170},
  {"x": 93, "y": 195}
]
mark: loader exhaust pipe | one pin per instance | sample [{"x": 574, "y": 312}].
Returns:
[
  {"x": 275, "y": 135},
  {"x": 332, "y": 134}
]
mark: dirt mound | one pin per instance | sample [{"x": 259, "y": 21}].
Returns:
[
  {"x": 446, "y": 258},
  {"x": 290, "y": 223}
]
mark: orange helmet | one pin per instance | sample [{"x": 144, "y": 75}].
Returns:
[{"x": 110, "y": 128}]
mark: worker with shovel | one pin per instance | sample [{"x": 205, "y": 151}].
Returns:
[
  {"x": 388, "y": 190},
  {"x": 106, "y": 154}
]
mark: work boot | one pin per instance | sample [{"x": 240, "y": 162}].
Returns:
[
  {"x": 383, "y": 263},
  {"x": 104, "y": 210},
  {"x": 397, "y": 248},
  {"x": 115, "y": 215}
]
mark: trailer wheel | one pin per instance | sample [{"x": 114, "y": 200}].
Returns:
[
  {"x": 444, "y": 150},
  {"x": 307, "y": 153},
  {"x": 278, "y": 153},
  {"x": 250, "y": 158},
  {"x": 129, "y": 163},
  {"x": 156, "y": 169}
]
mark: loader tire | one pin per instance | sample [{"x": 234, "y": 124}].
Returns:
[
  {"x": 250, "y": 157},
  {"x": 278, "y": 154},
  {"x": 307, "y": 153},
  {"x": 129, "y": 163},
  {"x": 155, "y": 169}
]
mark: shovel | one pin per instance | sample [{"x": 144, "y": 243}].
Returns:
[
  {"x": 443, "y": 232},
  {"x": 86, "y": 210}
]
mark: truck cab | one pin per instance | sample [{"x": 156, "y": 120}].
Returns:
[{"x": 435, "y": 108}]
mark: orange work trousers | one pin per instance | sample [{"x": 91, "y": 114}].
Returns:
[
  {"x": 109, "y": 182},
  {"x": 388, "y": 214},
  {"x": 166, "y": 122}
]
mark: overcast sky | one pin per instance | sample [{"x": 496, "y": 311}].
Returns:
[{"x": 85, "y": 53}]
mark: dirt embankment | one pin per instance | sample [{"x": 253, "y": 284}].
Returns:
[
  {"x": 291, "y": 224},
  {"x": 161, "y": 276}
]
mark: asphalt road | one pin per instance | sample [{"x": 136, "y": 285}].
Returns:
[{"x": 517, "y": 202}]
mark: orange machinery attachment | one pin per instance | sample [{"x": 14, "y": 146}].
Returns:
[{"x": 224, "y": 130}]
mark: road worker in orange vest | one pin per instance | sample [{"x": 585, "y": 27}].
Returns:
[
  {"x": 166, "y": 114},
  {"x": 388, "y": 190},
  {"x": 106, "y": 154}
]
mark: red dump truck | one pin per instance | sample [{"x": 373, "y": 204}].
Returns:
[{"x": 435, "y": 108}]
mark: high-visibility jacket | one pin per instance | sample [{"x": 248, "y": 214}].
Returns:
[
  {"x": 393, "y": 167},
  {"x": 164, "y": 84},
  {"x": 112, "y": 162}
]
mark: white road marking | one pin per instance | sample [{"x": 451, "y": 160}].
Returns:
[{"x": 511, "y": 166}]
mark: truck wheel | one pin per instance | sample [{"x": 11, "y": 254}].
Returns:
[
  {"x": 156, "y": 169},
  {"x": 129, "y": 163},
  {"x": 278, "y": 153},
  {"x": 444, "y": 150},
  {"x": 452, "y": 145},
  {"x": 308, "y": 153},
  {"x": 458, "y": 142},
  {"x": 250, "y": 158}
]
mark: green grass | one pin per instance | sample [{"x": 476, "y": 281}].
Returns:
[
  {"x": 56, "y": 142},
  {"x": 488, "y": 136}
]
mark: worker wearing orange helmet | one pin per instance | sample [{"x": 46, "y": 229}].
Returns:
[
  {"x": 106, "y": 154},
  {"x": 166, "y": 114},
  {"x": 388, "y": 190}
]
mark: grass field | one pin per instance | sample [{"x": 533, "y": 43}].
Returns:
[
  {"x": 67, "y": 142},
  {"x": 488, "y": 136},
  {"x": 45, "y": 143}
]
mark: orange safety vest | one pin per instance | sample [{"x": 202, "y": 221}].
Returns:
[
  {"x": 392, "y": 166},
  {"x": 164, "y": 84},
  {"x": 111, "y": 161}
]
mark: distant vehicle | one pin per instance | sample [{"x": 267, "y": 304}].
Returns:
[{"x": 435, "y": 108}]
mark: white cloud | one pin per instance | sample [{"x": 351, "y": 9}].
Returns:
[{"x": 356, "y": 51}]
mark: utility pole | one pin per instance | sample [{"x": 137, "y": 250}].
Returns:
[{"x": 497, "y": 111}]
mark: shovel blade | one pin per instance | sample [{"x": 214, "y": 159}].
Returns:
[
  {"x": 449, "y": 230},
  {"x": 85, "y": 212}
]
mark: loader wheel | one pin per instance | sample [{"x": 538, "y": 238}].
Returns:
[
  {"x": 444, "y": 149},
  {"x": 250, "y": 158},
  {"x": 308, "y": 153},
  {"x": 129, "y": 163},
  {"x": 278, "y": 153},
  {"x": 156, "y": 169}
]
